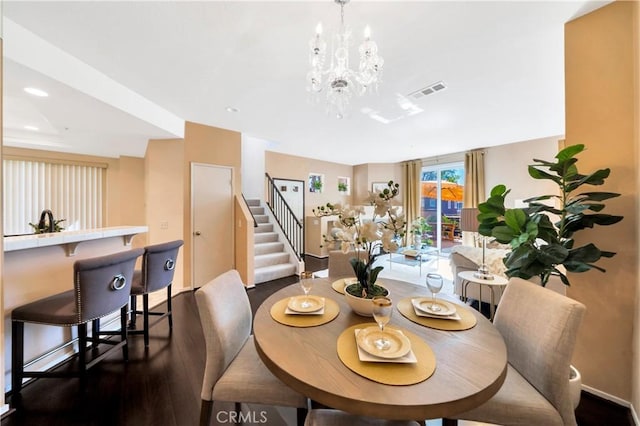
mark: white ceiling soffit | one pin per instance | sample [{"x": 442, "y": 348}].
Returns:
[{"x": 97, "y": 102}]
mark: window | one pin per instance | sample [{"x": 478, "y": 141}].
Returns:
[
  {"x": 442, "y": 189},
  {"x": 73, "y": 192}
]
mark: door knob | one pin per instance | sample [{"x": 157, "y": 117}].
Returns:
[{"x": 196, "y": 233}]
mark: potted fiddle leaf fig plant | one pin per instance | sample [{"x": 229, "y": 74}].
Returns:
[{"x": 539, "y": 246}]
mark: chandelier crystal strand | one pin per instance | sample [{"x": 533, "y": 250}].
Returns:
[{"x": 341, "y": 82}]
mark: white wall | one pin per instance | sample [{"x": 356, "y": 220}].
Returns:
[
  {"x": 253, "y": 167},
  {"x": 293, "y": 193},
  {"x": 508, "y": 165}
]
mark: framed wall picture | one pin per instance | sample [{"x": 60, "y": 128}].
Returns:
[
  {"x": 316, "y": 182},
  {"x": 344, "y": 185},
  {"x": 378, "y": 186}
]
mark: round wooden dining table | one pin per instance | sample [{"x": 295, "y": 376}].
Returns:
[{"x": 470, "y": 366}]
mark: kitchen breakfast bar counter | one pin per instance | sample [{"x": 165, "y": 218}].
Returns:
[{"x": 40, "y": 265}]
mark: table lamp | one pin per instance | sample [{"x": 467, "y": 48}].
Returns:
[{"x": 469, "y": 223}]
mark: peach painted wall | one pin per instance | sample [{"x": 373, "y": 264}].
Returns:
[
  {"x": 130, "y": 204},
  {"x": 244, "y": 242},
  {"x": 365, "y": 174},
  {"x": 282, "y": 166},
  {"x": 635, "y": 392},
  {"x": 163, "y": 168},
  {"x": 208, "y": 145},
  {"x": 508, "y": 165},
  {"x": 601, "y": 75}
]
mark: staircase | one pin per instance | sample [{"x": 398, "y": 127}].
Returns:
[{"x": 271, "y": 261}]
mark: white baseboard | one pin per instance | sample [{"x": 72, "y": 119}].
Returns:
[
  {"x": 614, "y": 399},
  {"x": 607, "y": 396}
]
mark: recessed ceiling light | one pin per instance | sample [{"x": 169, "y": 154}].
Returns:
[
  {"x": 232, "y": 109},
  {"x": 36, "y": 92},
  {"x": 34, "y": 128}
]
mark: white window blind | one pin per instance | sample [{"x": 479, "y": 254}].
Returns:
[{"x": 72, "y": 192}]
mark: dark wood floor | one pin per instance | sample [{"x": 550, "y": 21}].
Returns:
[{"x": 161, "y": 386}]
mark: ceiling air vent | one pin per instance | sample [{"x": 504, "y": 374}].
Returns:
[{"x": 435, "y": 87}]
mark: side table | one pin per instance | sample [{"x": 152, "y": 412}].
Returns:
[{"x": 497, "y": 281}]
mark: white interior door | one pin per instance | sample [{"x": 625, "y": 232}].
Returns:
[{"x": 211, "y": 222}]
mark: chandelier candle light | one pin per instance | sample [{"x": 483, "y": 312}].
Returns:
[{"x": 341, "y": 82}]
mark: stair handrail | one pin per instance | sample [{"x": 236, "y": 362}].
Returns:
[
  {"x": 255, "y": 222},
  {"x": 291, "y": 226}
]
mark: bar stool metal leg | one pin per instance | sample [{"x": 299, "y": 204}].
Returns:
[
  {"x": 123, "y": 333},
  {"x": 17, "y": 356},
  {"x": 95, "y": 333},
  {"x": 82, "y": 354},
  {"x": 145, "y": 316},
  {"x": 133, "y": 302},
  {"x": 169, "y": 312}
]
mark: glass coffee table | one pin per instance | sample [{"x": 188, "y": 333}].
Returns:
[{"x": 413, "y": 257}]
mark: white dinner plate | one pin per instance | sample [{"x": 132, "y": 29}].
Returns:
[
  {"x": 297, "y": 304},
  {"x": 424, "y": 304},
  {"x": 399, "y": 344}
]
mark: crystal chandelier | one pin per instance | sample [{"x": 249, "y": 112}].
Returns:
[{"x": 338, "y": 80}]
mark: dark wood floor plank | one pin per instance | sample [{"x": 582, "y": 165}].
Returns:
[{"x": 160, "y": 385}]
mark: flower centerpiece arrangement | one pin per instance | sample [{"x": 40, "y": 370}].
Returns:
[
  {"x": 419, "y": 227},
  {"x": 368, "y": 238}
]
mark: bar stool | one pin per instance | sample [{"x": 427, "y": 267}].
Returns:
[
  {"x": 158, "y": 267},
  {"x": 101, "y": 287}
]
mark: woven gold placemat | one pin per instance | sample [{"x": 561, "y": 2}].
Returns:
[
  {"x": 331, "y": 310},
  {"x": 467, "y": 319},
  {"x": 387, "y": 373}
]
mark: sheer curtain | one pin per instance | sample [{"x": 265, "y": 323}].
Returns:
[
  {"x": 72, "y": 192},
  {"x": 411, "y": 197},
  {"x": 474, "y": 192}
]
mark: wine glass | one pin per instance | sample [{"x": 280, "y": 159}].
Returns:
[
  {"x": 306, "y": 282},
  {"x": 382, "y": 309},
  {"x": 434, "y": 283}
]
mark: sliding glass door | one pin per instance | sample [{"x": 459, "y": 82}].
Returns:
[{"x": 442, "y": 189}]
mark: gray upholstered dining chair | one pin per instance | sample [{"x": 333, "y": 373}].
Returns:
[
  {"x": 158, "y": 267},
  {"x": 101, "y": 287},
  {"x": 328, "y": 417},
  {"x": 539, "y": 327},
  {"x": 339, "y": 264},
  {"x": 233, "y": 371}
]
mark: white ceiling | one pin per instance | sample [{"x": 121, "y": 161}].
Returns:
[{"x": 120, "y": 73}]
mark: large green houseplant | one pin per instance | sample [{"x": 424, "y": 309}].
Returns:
[{"x": 541, "y": 247}]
